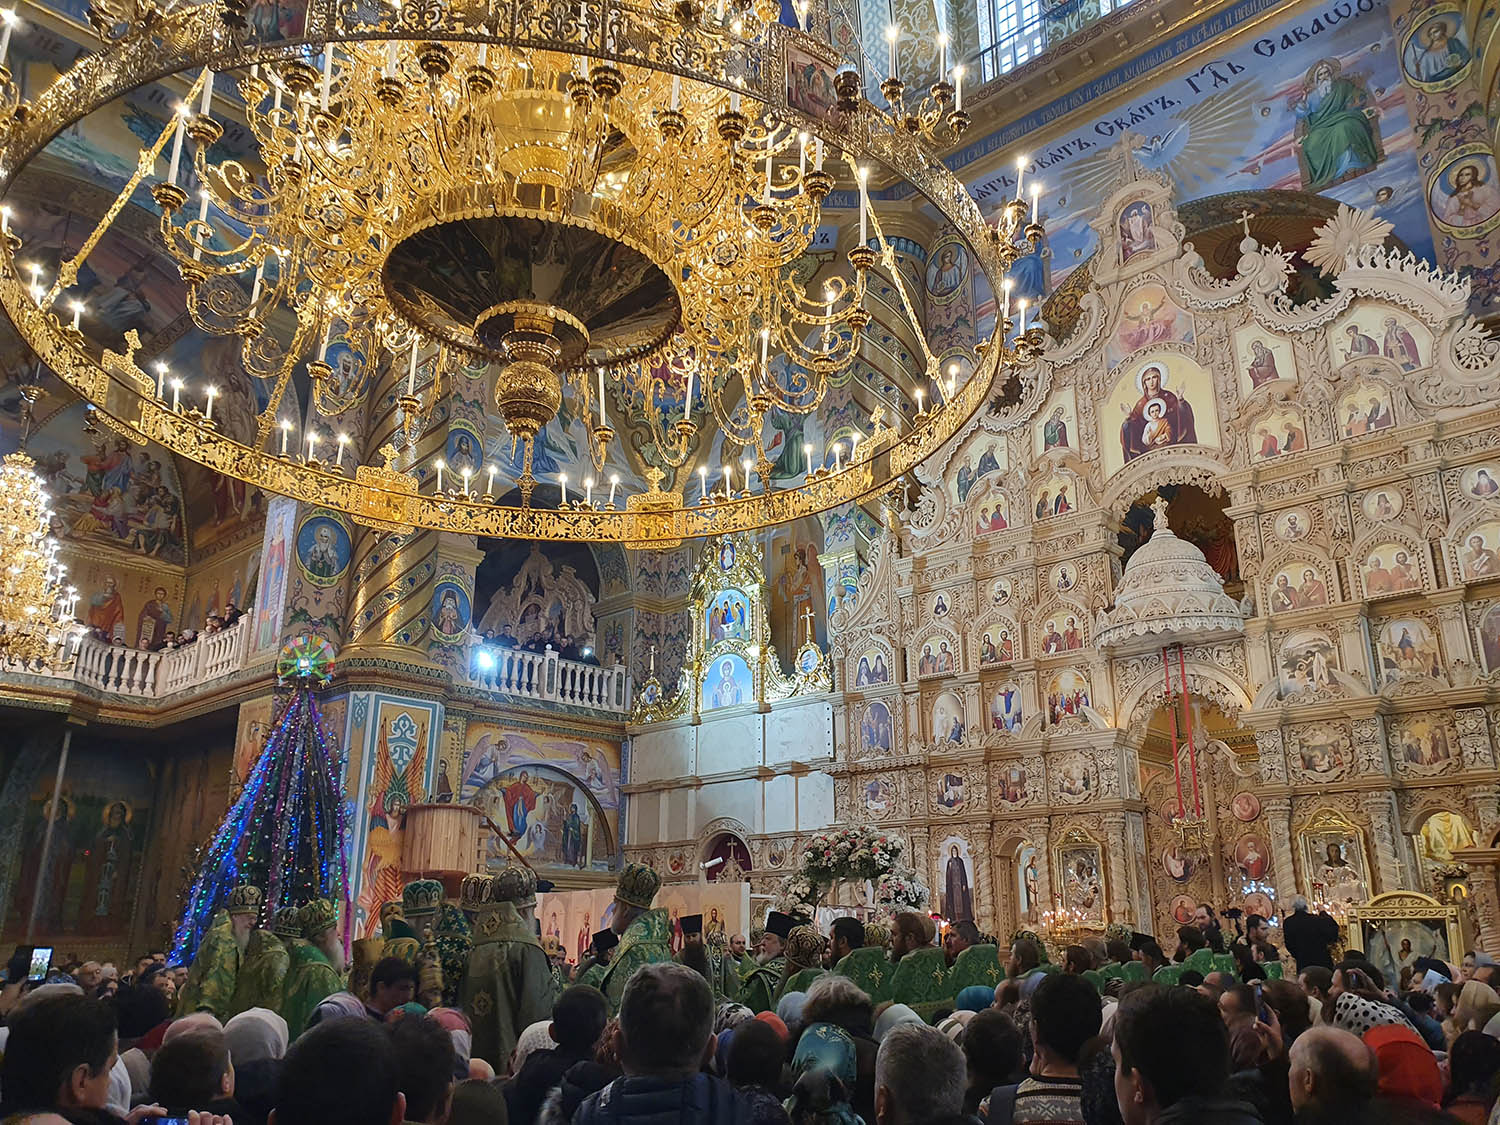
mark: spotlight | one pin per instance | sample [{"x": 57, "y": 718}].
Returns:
[{"x": 485, "y": 659}]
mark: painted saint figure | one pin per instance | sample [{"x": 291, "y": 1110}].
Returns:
[
  {"x": 1262, "y": 364},
  {"x": 1159, "y": 417},
  {"x": 1337, "y": 137},
  {"x": 1441, "y": 55},
  {"x": 958, "y": 900}
]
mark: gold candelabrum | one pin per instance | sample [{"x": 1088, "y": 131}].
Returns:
[
  {"x": 1064, "y": 926},
  {"x": 36, "y": 607},
  {"x": 634, "y": 186}
]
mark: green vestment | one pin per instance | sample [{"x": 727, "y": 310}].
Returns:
[
  {"x": 262, "y": 973},
  {"x": 211, "y": 978},
  {"x": 762, "y": 988},
  {"x": 726, "y": 976},
  {"x": 507, "y": 987},
  {"x": 1338, "y": 137},
  {"x": 593, "y": 975},
  {"x": 921, "y": 981},
  {"x": 871, "y": 969},
  {"x": 310, "y": 979},
  {"x": 644, "y": 942},
  {"x": 978, "y": 964}
]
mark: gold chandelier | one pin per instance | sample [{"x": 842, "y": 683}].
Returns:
[
  {"x": 577, "y": 196},
  {"x": 36, "y": 610}
]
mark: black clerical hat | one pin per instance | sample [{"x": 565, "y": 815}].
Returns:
[{"x": 779, "y": 924}]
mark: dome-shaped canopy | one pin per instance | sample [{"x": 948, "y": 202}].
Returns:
[{"x": 1168, "y": 594}]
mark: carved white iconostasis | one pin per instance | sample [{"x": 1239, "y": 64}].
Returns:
[
  {"x": 740, "y": 747},
  {"x": 1344, "y": 740}
]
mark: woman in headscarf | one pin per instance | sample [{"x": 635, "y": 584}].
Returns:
[
  {"x": 257, "y": 1041},
  {"x": 753, "y": 1065},
  {"x": 893, "y": 1016},
  {"x": 338, "y": 1006},
  {"x": 825, "y": 1069},
  {"x": 456, "y": 1024},
  {"x": 1477, "y": 1003},
  {"x": 789, "y": 1008}
]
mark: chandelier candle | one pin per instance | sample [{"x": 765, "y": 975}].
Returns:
[
  {"x": 9, "y": 20},
  {"x": 208, "y": 407},
  {"x": 658, "y": 132}
]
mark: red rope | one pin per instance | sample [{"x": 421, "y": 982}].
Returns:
[
  {"x": 1166, "y": 672},
  {"x": 1187, "y": 718}
]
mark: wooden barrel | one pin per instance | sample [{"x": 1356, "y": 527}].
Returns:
[{"x": 440, "y": 842}]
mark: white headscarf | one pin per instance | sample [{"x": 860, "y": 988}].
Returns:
[
  {"x": 255, "y": 1034},
  {"x": 537, "y": 1037}
]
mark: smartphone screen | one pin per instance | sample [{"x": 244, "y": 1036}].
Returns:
[{"x": 41, "y": 961}]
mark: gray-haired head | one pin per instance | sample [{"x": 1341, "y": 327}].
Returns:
[
  {"x": 919, "y": 1075},
  {"x": 1299, "y": 904}
]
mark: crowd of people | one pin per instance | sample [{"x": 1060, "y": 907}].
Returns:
[
  {"x": 172, "y": 639},
  {"x": 787, "y": 1030}
]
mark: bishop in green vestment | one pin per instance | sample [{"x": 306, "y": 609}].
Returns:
[
  {"x": 215, "y": 969},
  {"x": 508, "y": 985},
  {"x": 262, "y": 973},
  {"x": 316, "y": 969},
  {"x": 762, "y": 985},
  {"x": 645, "y": 934}
]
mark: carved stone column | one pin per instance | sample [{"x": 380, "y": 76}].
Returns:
[
  {"x": 1454, "y": 627},
  {"x": 1272, "y": 755},
  {"x": 1115, "y": 847},
  {"x": 1484, "y": 799},
  {"x": 1354, "y": 650},
  {"x": 1484, "y": 883},
  {"x": 1474, "y": 741},
  {"x": 1389, "y": 857},
  {"x": 1261, "y": 667},
  {"x": 1368, "y": 737},
  {"x": 1277, "y": 812}
]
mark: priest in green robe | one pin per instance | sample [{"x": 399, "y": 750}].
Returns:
[
  {"x": 645, "y": 934},
  {"x": 455, "y": 941},
  {"x": 762, "y": 985},
  {"x": 508, "y": 984},
  {"x": 316, "y": 970},
  {"x": 804, "y": 959},
  {"x": 262, "y": 973},
  {"x": 726, "y": 973},
  {"x": 211, "y": 979}
]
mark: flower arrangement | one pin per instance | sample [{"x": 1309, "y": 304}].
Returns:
[
  {"x": 850, "y": 853},
  {"x": 855, "y": 854},
  {"x": 901, "y": 890}
]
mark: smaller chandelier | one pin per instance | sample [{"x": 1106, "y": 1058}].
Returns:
[{"x": 36, "y": 609}]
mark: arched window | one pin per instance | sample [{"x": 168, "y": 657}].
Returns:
[{"x": 727, "y": 858}]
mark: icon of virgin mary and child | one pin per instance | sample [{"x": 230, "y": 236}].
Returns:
[{"x": 1159, "y": 417}]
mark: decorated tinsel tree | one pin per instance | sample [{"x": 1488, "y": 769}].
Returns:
[{"x": 288, "y": 832}]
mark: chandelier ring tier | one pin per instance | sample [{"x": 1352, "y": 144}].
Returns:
[{"x": 658, "y": 146}]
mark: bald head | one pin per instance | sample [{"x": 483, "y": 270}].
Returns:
[{"x": 1331, "y": 1068}]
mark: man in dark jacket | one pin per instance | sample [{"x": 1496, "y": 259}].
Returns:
[
  {"x": 577, "y": 1019},
  {"x": 1172, "y": 1060},
  {"x": 666, "y": 1026},
  {"x": 1308, "y": 936}
]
